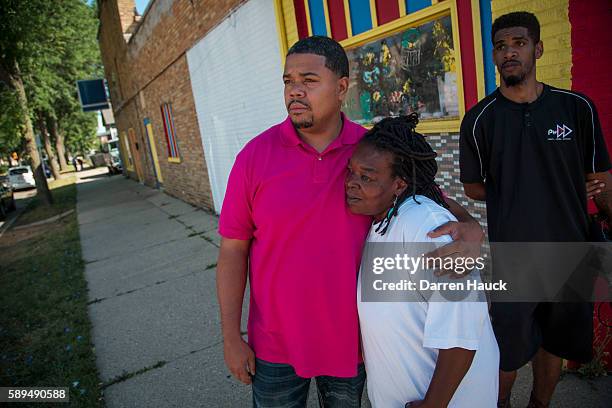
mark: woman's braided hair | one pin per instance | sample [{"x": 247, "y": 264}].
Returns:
[{"x": 414, "y": 161}]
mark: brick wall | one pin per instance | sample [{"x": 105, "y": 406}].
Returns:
[
  {"x": 447, "y": 147},
  {"x": 149, "y": 68},
  {"x": 113, "y": 48},
  {"x": 126, "y": 13},
  {"x": 187, "y": 180}
]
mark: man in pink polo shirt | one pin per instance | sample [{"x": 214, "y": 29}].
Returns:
[{"x": 285, "y": 222}]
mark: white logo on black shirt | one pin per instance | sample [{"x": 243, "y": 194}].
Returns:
[{"x": 561, "y": 133}]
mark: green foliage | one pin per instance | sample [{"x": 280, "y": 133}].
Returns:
[
  {"x": 53, "y": 43},
  {"x": 24, "y": 33},
  {"x": 80, "y": 131},
  {"x": 11, "y": 126}
]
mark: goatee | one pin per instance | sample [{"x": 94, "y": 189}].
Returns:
[
  {"x": 303, "y": 124},
  {"x": 513, "y": 80}
]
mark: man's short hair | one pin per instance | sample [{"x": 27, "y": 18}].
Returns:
[
  {"x": 518, "y": 19},
  {"x": 335, "y": 56}
]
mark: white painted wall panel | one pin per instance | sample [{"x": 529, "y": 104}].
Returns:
[{"x": 236, "y": 77}]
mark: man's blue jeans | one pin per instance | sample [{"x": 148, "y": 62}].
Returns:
[{"x": 278, "y": 386}]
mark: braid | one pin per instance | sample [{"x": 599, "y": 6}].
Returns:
[{"x": 414, "y": 161}]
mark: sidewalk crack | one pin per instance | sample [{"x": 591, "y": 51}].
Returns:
[
  {"x": 127, "y": 375},
  {"x": 159, "y": 282}
]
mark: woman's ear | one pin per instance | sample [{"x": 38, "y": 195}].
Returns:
[{"x": 400, "y": 186}]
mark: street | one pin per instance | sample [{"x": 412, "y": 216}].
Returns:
[{"x": 21, "y": 200}]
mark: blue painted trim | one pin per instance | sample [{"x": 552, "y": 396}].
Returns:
[
  {"x": 317, "y": 17},
  {"x": 361, "y": 17},
  {"x": 486, "y": 22},
  {"x": 416, "y": 5}
]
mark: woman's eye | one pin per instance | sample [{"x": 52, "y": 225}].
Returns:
[{"x": 365, "y": 178}]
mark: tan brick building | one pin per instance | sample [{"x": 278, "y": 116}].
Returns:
[{"x": 145, "y": 65}]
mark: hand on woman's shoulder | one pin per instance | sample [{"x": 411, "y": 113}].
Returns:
[{"x": 416, "y": 220}]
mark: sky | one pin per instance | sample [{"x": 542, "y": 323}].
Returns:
[{"x": 141, "y": 5}]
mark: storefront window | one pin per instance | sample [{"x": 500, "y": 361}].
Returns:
[{"x": 410, "y": 71}]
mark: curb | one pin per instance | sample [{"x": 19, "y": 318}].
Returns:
[
  {"x": 47, "y": 221},
  {"x": 8, "y": 224}
]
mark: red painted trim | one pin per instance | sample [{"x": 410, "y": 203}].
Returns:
[
  {"x": 591, "y": 59},
  {"x": 337, "y": 19},
  {"x": 163, "y": 113},
  {"x": 300, "y": 18},
  {"x": 592, "y": 56},
  {"x": 468, "y": 55},
  {"x": 172, "y": 130},
  {"x": 387, "y": 10}
]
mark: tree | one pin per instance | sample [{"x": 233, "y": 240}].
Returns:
[
  {"x": 11, "y": 126},
  {"x": 22, "y": 39},
  {"x": 45, "y": 46},
  {"x": 46, "y": 139},
  {"x": 80, "y": 59},
  {"x": 58, "y": 137},
  {"x": 80, "y": 130}
]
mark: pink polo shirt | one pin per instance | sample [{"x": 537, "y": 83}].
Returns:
[{"x": 306, "y": 248}]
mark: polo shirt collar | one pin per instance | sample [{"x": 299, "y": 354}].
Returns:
[{"x": 349, "y": 133}]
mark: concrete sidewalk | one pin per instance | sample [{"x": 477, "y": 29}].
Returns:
[{"x": 150, "y": 266}]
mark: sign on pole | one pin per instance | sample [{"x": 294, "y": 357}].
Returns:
[{"x": 92, "y": 94}]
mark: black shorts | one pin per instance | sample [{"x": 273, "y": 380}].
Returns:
[{"x": 562, "y": 329}]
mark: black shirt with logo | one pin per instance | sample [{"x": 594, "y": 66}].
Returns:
[{"x": 533, "y": 159}]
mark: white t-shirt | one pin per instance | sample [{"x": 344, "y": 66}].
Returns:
[{"x": 401, "y": 339}]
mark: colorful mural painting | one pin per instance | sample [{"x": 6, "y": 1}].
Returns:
[{"x": 411, "y": 71}]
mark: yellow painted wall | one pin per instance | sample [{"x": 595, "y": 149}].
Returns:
[
  {"x": 126, "y": 153},
  {"x": 290, "y": 26},
  {"x": 554, "y": 68}
]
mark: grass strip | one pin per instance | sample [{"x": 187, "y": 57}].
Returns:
[
  {"x": 64, "y": 200},
  {"x": 45, "y": 332}
]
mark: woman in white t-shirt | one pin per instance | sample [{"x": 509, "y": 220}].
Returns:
[{"x": 419, "y": 353}]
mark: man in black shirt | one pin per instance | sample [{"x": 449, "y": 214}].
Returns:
[{"x": 527, "y": 150}]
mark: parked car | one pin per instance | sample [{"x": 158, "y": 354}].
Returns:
[
  {"x": 7, "y": 199},
  {"x": 21, "y": 177},
  {"x": 116, "y": 165}
]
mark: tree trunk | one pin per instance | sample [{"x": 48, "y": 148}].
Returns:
[
  {"x": 59, "y": 143},
  {"x": 16, "y": 83},
  {"x": 42, "y": 126}
]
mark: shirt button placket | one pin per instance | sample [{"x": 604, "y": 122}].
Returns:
[
  {"x": 527, "y": 118},
  {"x": 319, "y": 170}
]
